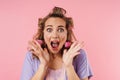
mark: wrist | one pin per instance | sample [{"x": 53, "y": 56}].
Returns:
[
  {"x": 68, "y": 68},
  {"x": 42, "y": 66}
]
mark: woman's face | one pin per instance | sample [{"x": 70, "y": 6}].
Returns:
[{"x": 55, "y": 34}]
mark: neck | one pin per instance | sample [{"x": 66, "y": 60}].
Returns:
[
  {"x": 56, "y": 55},
  {"x": 55, "y": 61}
]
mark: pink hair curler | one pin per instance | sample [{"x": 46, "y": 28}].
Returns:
[
  {"x": 67, "y": 44},
  {"x": 40, "y": 42}
]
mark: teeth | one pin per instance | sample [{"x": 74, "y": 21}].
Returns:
[{"x": 54, "y": 44}]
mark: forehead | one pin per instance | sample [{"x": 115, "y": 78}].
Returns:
[{"x": 55, "y": 21}]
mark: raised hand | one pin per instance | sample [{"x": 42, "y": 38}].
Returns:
[
  {"x": 74, "y": 50},
  {"x": 41, "y": 53}
]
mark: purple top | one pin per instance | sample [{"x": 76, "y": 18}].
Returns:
[{"x": 80, "y": 63}]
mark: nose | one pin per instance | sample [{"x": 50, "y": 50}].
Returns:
[{"x": 55, "y": 34}]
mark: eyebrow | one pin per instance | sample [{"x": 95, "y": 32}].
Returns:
[
  {"x": 52, "y": 26},
  {"x": 48, "y": 26}
]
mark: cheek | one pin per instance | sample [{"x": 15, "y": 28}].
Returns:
[
  {"x": 63, "y": 37},
  {"x": 46, "y": 37}
]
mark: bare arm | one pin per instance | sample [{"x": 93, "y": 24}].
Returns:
[
  {"x": 44, "y": 58},
  {"x": 71, "y": 74},
  {"x": 40, "y": 74},
  {"x": 68, "y": 59}
]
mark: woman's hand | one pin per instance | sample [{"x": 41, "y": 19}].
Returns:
[
  {"x": 71, "y": 53},
  {"x": 41, "y": 53}
]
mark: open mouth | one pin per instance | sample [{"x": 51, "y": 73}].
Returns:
[{"x": 55, "y": 44}]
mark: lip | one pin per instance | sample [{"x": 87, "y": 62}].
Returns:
[
  {"x": 54, "y": 49},
  {"x": 54, "y": 41}
]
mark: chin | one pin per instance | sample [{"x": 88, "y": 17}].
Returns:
[{"x": 54, "y": 52}]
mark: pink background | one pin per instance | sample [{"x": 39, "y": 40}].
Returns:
[{"x": 96, "y": 22}]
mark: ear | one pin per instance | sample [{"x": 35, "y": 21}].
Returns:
[{"x": 67, "y": 44}]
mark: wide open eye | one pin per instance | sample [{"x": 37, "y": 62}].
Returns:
[
  {"x": 49, "y": 29},
  {"x": 60, "y": 30}
]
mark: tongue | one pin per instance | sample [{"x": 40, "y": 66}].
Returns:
[{"x": 54, "y": 45}]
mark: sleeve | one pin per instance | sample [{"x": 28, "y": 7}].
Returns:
[
  {"x": 27, "y": 70},
  {"x": 82, "y": 66}
]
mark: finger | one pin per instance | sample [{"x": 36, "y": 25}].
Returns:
[
  {"x": 28, "y": 48},
  {"x": 65, "y": 50},
  {"x": 33, "y": 52},
  {"x": 73, "y": 47},
  {"x": 82, "y": 44},
  {"x": 79, "y": 46},
  {"x": 29, "y": 45},
  {"x": 46, "y": 53},
  {"x": 32, "y": 44},
  {"x": 73, "y": 44},
  {"x": 37, "y": 43},
  {"x": 36, "y": 46},
  {"x": 72, "y": 51},
  {"x": 31, "y": 48},
  {"x": 75, "y": 54}
]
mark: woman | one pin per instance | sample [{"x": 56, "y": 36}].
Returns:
[{"x": 54, "y": 53}]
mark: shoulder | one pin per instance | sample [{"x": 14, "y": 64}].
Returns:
[
  {"x": 80, "y": 57},
  {"x": 82, "y": 54},
  {"x": 29, "y": 55},
  {"x": 28, "y": 68},
  {"x": 32, "y": 61},
  {"x": 82, "y": 66}
]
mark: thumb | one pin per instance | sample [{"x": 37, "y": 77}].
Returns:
[
  {"x": 45, "y": 51},
  {"x": 46, "y": 54},
  {"x": 65, "y": 51}
]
